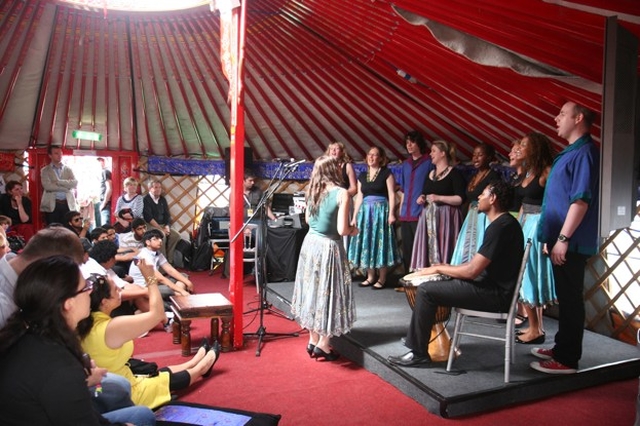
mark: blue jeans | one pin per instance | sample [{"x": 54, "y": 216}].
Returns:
[
  {"x": 138, "y": 415},
  {"x": 105, "y": 216}
]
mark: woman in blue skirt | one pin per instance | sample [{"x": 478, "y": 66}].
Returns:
[
  {"x": 375, "y": 247},
  {"x": 472, "y": 231},
  {"x": 538, "y": 289}
]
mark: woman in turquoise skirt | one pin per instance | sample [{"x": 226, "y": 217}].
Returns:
[
  {"x": 472, "y": 231},
  {"x": 375, "y": 247},
  {"x": 322, "y": 300},
  {"x": 538, "y": 289}
]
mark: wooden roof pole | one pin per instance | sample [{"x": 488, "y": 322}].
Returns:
[{"x": 236, "y": 138}]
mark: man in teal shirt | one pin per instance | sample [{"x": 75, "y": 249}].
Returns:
[{"x": 569, "y": 228}]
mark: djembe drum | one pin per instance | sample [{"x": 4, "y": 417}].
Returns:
[{"x": 440, "y": 339}]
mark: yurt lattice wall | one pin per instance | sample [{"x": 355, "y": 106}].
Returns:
[{"x": 612, "y": 289}]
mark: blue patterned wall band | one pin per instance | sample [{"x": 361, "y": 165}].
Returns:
[{"x": 268, "y": 169}]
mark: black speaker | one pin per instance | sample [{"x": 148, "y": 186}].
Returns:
[{"x": 248, "y": 162}]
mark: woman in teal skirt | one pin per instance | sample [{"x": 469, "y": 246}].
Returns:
[
  {"x": 538, "y": 288},
  {"x": 375, "y": 247},
  {"x": 472, "y": 231},
  {"x": 322, "y": 300}
]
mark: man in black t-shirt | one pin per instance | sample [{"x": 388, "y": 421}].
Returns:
[{"x": 486, "y": 282}]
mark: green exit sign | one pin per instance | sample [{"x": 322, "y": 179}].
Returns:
[{"x": 89, "y": 136}]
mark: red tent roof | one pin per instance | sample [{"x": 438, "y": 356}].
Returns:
[{"x": 363, "y": 72}]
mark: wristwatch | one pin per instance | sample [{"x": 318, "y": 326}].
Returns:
[{"x": 563, "y": 238}]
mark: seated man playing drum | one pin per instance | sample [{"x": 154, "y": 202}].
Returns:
[{"x": 486, "y": 282}]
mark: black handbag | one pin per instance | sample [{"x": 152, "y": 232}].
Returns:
[{"x": 143, "y": 368}]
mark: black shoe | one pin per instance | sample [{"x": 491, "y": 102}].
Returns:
[
  {"x": 537, "y": 341},
  {"x": 310, "y": 349},
  {"x": 216, "y": 350},
  {"x": 319, "y": 353},
  {"x": 411, "y": 359},
  {"x": 205, "y": 345}
]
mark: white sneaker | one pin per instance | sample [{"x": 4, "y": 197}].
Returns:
[{"x": 168, "y": 327}]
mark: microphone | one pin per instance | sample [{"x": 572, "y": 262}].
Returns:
[{"x": 293, "y": 164}]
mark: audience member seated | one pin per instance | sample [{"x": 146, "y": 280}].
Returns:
[
  {"x": 124, "y": 218},
  {"x": 102, "y": 257},
  {"x": 112, "y": 235},
  {"x": 486, "y": 282},
  {"x": 129, "y": 200},
  {"x": 129, "y": 246},
  {"x": 46, "y": 242},
  {"x": 16, "y": 206},
  {"x": 109, "y": 341},
  {"x": 112, "y": 401},
  {"x": 97, "y": 234},
  {"x": 152, "y": 240},
  {"x": 43, "y": 373},
  {"x": 73, "y": 221},
  {"x": 4, "y": 245},
  {"x": 156, "y": 213}
]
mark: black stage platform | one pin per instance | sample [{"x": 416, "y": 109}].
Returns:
[{"x": 382, "y": 319}]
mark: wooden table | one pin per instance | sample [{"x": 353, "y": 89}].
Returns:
[{"x": 195, "y": 306}]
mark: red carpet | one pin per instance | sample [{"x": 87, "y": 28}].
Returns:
[{"x": 284, "y": 380}]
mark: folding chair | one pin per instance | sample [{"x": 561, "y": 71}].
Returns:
[{"x": 509, "y": 336}]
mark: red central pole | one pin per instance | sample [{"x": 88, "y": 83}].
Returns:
[{"x": 236, "y": 88}]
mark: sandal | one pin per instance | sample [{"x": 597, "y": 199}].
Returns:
[
  {"x": 378, "y": 285},
  {"x": 365, "y": 283},
  {"x": 523, "y": 320}
]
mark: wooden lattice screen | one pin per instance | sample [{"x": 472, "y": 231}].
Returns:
[
  {"x": 188, "y": 196},
  {"x": 612, "y": 289}
]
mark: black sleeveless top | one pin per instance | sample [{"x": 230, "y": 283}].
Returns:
[
  {"x": 376, "y": 187},
  {"x": 532, "y": 193},
  {"x": 345, "y": 176}
]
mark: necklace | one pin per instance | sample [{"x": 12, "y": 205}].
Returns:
[
  {"x": 440, "y": 175},
  {"x": 369, "y": 179},
  {"x": 477, "y": 179}
]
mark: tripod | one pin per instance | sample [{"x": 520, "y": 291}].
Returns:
[{"x": 260, "y": 249}]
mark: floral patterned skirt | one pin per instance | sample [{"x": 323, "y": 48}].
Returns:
[{"x": 322, "y": 299}]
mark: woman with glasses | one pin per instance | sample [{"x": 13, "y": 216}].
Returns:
[
  {"x": 109, "y": 341},
  {"x": 43, "y": 374}
]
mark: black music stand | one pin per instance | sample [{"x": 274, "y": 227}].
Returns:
[{"x": 260, "y": 264}]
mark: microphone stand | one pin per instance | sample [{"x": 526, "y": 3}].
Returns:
[{"x": 260, "y": 264}]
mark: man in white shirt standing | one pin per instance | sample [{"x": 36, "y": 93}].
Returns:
[{"x": 57, "y": 181}]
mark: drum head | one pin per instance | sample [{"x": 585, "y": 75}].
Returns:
[{"x": 417, "y": 278}]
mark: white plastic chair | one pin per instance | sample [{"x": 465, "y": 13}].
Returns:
[{"x": 509, "y": 336}]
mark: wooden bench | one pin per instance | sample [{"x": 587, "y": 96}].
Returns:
[{"x": 197, "y": 306}]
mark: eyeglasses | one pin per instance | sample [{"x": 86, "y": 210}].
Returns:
[
  {"x": 90, "y": 283},
  {"x": 76, "y": 219}
]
